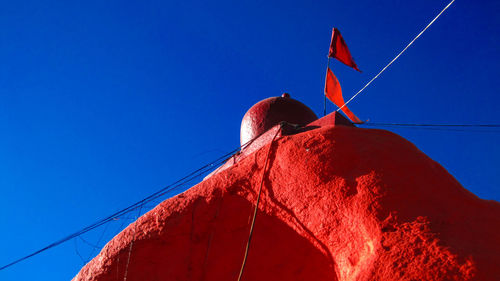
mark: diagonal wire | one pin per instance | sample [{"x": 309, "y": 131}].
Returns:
[
  {"x": 446, "y": 128},
  {"x": 88, "y": 243},
  {"x": 132, "y": 207},
  {"x": 400, "y": 53},
  {"x": 479, "y": 128},
  {"x": 96, "y": 246},
  {"x": 179, "y": 183},
  {"x": 132, "y": 244},
  {"x": 247, "y": 248},
  {"x": 75, "y": 241},
  {"x": 433, "y": 125}
]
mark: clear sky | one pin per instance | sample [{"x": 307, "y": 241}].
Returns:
[{"x": 105, "y": 102}]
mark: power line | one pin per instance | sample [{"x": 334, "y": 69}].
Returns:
[
  {"x": 181, "y": 182},
  {"x": 131, "y": 245},
  {"x": 96, "y": 246},
  {"x": 247, "y": 248},
  {"x": 475, "y": 128},
  {"x": 433, "y": 125},
  {"x": 394, "y": 59},
  {"x": 75, "y": 244}
]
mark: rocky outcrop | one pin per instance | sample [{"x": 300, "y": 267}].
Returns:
[{"x": 338, "y": 203}]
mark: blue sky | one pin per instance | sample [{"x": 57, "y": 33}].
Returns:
[{"x": 105, "y": 102}]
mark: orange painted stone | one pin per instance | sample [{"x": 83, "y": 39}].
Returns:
[{"x": 338, "y": 203}]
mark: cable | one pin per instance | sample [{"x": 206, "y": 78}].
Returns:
[
  {"x": 131, "y": 245},
  {"x": 474, "y": 128},
  {"x": 181, "y": 182},
  {"x": 134, "y": 206},
  {"x": 400, "y": 53},
  {"x": 88, "y": 243},
  {"x": 78, "y": 252},
  {"x": 433, "y": 125},
  {"x": 109, "y": 218},
  {"x": 97, "y": 247},
  {"x": 257, "y": 206}
]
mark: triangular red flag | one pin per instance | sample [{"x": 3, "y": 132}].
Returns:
[
  {"x": 333, "y": 92},
  {"x": 339, "y": 50}
]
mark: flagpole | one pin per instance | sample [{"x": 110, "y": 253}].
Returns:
[{"x": 324, "y": 94}]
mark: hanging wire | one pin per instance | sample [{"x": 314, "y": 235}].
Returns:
[
  {"x": 75, "y": 241},
  {"x": 177, "y": 184},
  {"x": 88, "y": 243},
  {"x": 96, "y": 245},
  {"x": 131, "y": 245},
  {"x": 118, "y": 257},
  {"x": 477, "y": 128},
  {"x": 394, "y": 59},
  {"x": 257, "y": 206},
  {"x": 132, "y": 207},
  {"x": 434, "y": 125},
  {"x": 197, "y": 173},
  {"x": 207, "y": 252}
]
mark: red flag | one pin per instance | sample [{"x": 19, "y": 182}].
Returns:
[
  {"x": 339, "y": 50},
  {"x": 333, "y": 92}
]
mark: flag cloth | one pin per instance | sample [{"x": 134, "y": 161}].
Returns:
[
  {"x": 339, "y": 50},
  {"x": 333, "y": 92}
]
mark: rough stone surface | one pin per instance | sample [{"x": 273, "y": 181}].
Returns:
[{"x": 338, "y": 203}]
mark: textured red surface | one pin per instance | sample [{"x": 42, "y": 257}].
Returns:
[
  {"x": 333, "y": 118},
  {"x": 339, "y": 203},
  {"x": 262, "y": 139}
]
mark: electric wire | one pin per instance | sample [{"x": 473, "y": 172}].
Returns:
[
  {"x": 475, "y": 128},
  {"x": 247, "y": 248},
  {"x": 400, "y": 53},
  {"x": 179, "y": 183},
  {"x": 118, "y": 257},
  {"x": 131, "y": 245},
  {"x": 88, "y": 243},
  {"x": 155, "y": 195},
  {"x": 433, "y": 125},
  {"x": 75, "y": 242},
  {"x": 194, "y": 174},
  {"x": 96, "y": 246}
]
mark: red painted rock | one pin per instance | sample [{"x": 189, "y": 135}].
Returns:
[
  {"x": 338, "y": 203},
  {"x": 269, "y": 112}
]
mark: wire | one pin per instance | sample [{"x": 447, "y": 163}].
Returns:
[
  {"x": 476, "y": 128},
  {"x": 256, "y": 207},
  {"x": 118, "y": 257},
  {"x": 88, "y": 243},
  {"x": 441, "y": 129},
  {"x": 111, "y": 217},
  {"x": 78, "y": 252},
  {"x": 96, "y": 246},
  {"x": 434, "y": 125},
  {"x": 131, "y": 245},
  {"x": 400, "y": 53},
  {"x": 179, "y": 183}
]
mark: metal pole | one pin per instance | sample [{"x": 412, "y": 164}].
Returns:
[{"x": 324, "y": 94}]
